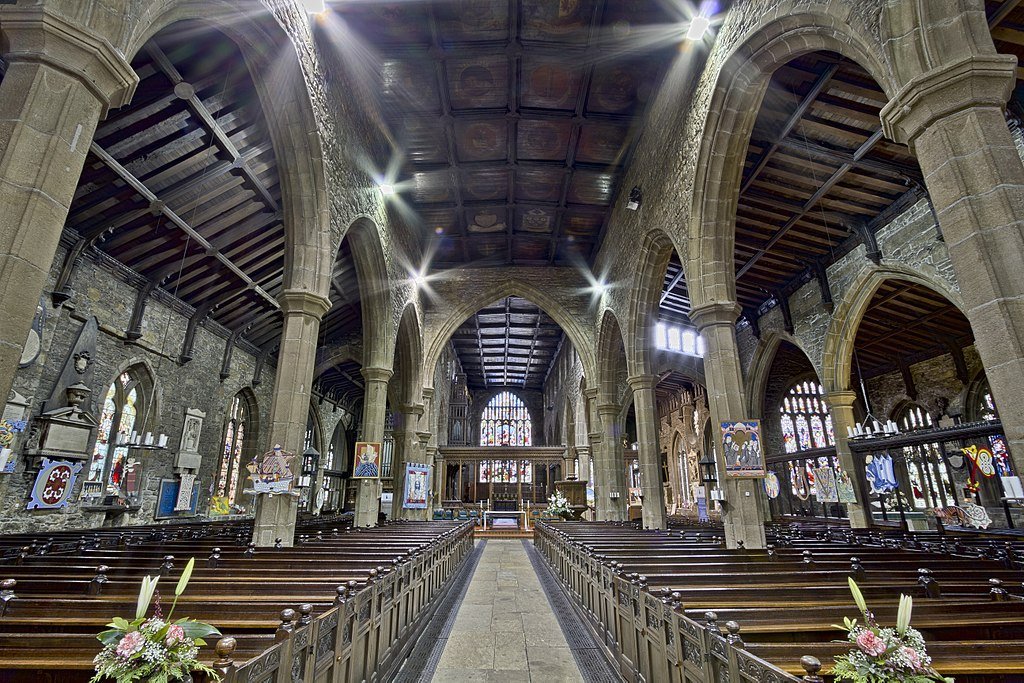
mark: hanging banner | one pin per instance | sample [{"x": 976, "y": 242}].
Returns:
[
  {"x": 741, "y": 443},
  {"x": 53, "y": 485},
  {"x": 825, "y": 485},
  {"x": 771, "y": 485},
  {"x": 878, "y": 470},
  {"x": 417, "y": 486},
  {"x": 982, "y": 459},
  {"x": 844, "y": 487},
  {"x": 367, "y": 460}
]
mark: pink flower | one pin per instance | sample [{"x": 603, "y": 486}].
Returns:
[
  {"x": 912, "y": 657},
  {"x": 130, "y": 644},
  {"x": 870, "y": 644},
  {"x": 175, "y": 634}
]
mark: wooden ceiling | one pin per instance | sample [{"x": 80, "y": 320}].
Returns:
[
  {"x": 817, "y": 168},
  {"x": 674, "y": 303},
  {"x": 181, "y": 186},
  {"x": 510, "y": 343},
  {"x": 906, "y": 323},
  {"x": 517, "y": 118}
]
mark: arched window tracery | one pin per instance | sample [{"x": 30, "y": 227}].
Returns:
[
  {"x": 111, "y": 470},
  {"x": 236, "y": 431},
  {"x": 804, "y": 418},
  {"x": 506, "y": 422}
]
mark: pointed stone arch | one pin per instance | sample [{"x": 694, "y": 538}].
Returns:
[
  {"x": 837, "y": 357},
  {"x": 374, "y": 293},
  {"x": 760, "y": 369},
  {"x": 288, "y": 111},
  {"x": 735, "y": 103},
  {"x": 645, "y": 299},
  {"x": 612, "y": 362},
  {"x": 408, "y": 358}
]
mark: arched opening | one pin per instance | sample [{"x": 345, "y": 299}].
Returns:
[
  {"x": 506, "y": 421},
  {"x": 115, "y": 475},
  {"x": 240, "y": 430}
]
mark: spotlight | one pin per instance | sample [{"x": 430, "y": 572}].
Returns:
[
  {"x": 314, "y": 6},
  {"x": 599, "y": 288},
  {"x": 635, "y": 197},
  {"x": 387, "y": 189},
  {"x": 699, "y": 26},
  {"x": 419, "y": 279}
]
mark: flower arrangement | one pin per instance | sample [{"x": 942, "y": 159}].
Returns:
[
  {"x": 558, "y": 505},
  {"x": 153, "y": 649},
  {"x": 884, "y": 655}
]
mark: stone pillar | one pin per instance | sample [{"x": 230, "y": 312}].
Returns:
[
  {"x": 584, "y": 473},
  {"x": 841, "y": 408},
  {"x": 375, "y": 406},
  {"x": 740, "y": 511},
  {"x": 437, "y": 483},
  {"x": 648, "y": 452},
  {"x": 407, "y": 448},
  {"x": 609, "y": 468},
  {"x": 568, "y": 470},
  {"x": 289, "y": 411},
  {"x": 952, "y": 117},
  {"x": 60, "y": 80}
]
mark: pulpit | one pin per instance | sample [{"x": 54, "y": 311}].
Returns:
[{"x": 575, "y": 492}]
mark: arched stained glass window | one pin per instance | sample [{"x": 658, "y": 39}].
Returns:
[
  {"x": 506, "y": 422},
  {"x": 235, "y": 433},
  {"x": 804, "y": 419},
  {"x": 110, "y": 464}
]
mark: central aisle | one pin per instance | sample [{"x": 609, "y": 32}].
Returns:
[{"x": 505, "y": 629}]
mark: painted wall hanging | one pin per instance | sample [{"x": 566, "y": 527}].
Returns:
[
  {"x": 741, "y": 443},
  {"x": 771, "y": 485},
  {"x": 417, "y": 486},
  {"x": 273, "y": 473},
  {"x": 825, "y": 485},
  {"x": 53, "y": 485},
  {"x": 844, "y": 487},
  {"x": 879, "y": 472},
  {"x": 367, "y": 461}
]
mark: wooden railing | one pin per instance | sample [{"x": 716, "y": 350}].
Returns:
[{"x": 646, "y": 636}]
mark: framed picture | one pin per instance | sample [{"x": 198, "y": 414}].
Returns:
[
  {"x": 741, "y": 443},
  {"x": 167, "y": 498},
  {"x": 367, "y": 460}
]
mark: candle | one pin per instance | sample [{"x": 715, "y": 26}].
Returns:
[
  {"x": 163, "y": 441},
  {"x": 149, "y": 438},
  {"x": 878, "y": 427},
  {"x": 849, "y": 432}
]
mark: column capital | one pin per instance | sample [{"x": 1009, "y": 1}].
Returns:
[
  {"x": 582, "y": 450},
  {"x": 37, "y": 35},
  {"x": 595, "y": 437},
  {"x": 608, "y": 409},
  {"x": 431, "y": 451},
  {"x": 303, "y": 301},
  {"x": 715, "y": 313},
  {"x": 841, "y": 399},
  {"x": 589, "y": 393},
  {"x": 640, "y": 382},
  {"x": 428, "y": 393},
  {"x": 975, "y": 81},
  {"x": 424, "y": 438},
  {"x": 372, "y": 374},
  {"x": 415, "y": 409}
]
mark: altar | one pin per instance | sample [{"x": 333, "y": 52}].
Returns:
[{"x": 507, "y": 513}]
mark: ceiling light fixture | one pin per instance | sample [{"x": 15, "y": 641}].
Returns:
[
  {"x": 635, "y": 197},
  {"x": 419, "y": 279},
  {"x": 699, "y": 26},
  {"x": 387, "y": 189},
  {"x": 314, "y": 6}
]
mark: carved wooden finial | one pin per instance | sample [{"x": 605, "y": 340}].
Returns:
[
  {"x": 167, "y": 566},
  {"x": 997, "y": 592},
  {"x": 812, "y": 666},
  {"x": 251, "y": 550},
  {"x": 711, "y": 622},
  {"x": 733, "y": 630},
  {"x": 305, "y": 614},
  {"x": 287, "y": 627},
  {"x": 6, "y": 594},
  {"x": 96, "y": 585},
  {"x": 342, "y": 595},
  {"x": 214, "y": 559},
  {"x": 224, "y": 648}
]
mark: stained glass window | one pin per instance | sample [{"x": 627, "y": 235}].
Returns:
[
  {"x": 804, "y": 418},
  {"x": 121, "y": 405},
  {"x": 234, "y": 444},
  {"x": 985, "y": 409},
  {"x": 506, "y": 422}
]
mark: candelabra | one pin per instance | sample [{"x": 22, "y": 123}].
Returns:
[{"x": 876, "y": 429}]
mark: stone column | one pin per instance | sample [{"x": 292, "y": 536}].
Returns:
[
  {"x": 436, "y": 460},
  {"x": 375, "y": 405},
  {"x": 60, "y": 81},
  {"x": 648, "y": 452},
  {"x": 584, "y": 473},
  {"x": 568, "y": 470},
  {"x": 952, "y": 117},
  {"x": 407, "y": 446},
  {"x": 289, "y": 411},
  {"x": 609, "y": 468},
  {"x": 740, "y": 511},
  {"x": 841, "y": 408}
]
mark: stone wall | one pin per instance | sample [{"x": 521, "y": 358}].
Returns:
[{"x": 562, "y": 387}]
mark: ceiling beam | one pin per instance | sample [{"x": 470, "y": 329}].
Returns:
[
  {"x": 1002, "y": 12},
  {"x": 807, "y": 206}
]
